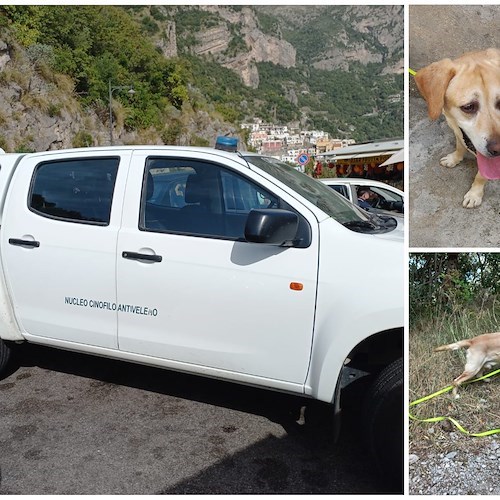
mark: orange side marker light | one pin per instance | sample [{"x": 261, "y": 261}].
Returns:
[{"x": 296, "y": 286}]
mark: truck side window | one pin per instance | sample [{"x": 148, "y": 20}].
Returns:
[
  {"x": 199, "y": 198},
  {"x": 79, "y": 190}
]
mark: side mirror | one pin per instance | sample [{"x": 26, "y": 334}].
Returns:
[{"x": 272, "y": 227}]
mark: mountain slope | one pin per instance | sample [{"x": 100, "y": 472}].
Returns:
[{"x": 198, "y": 71}]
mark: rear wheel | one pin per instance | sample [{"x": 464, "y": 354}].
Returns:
[
  {"x": 5, "y": 354},
  {"x": 384, "y": 417}
]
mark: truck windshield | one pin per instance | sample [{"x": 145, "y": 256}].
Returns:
[{"x": 322, "y": 196}]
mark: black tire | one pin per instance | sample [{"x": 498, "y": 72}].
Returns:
[
  {"x": 384, "y": 417},
  {"x": 5, "y": 355}
]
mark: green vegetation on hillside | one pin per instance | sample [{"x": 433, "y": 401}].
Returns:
[
  {"x": 96, "y": 44},
  {"x": 336, "y": 99},
  {"x": 340, "y": 99}
]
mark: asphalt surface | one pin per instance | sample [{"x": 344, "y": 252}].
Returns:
[
  {"x": 436, "y": 215},
  {"x": 76, "y": 424}
]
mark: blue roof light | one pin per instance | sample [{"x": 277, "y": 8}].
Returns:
[{"x": 226, "y": 143}]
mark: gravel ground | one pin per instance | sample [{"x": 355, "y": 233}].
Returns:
[
  {"x": 72, "y": 424},
  {"x": 457, "y": 472}
]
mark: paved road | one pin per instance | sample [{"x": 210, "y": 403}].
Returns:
[
  {"x": 74, "y": 424},
  {"x": 436, "y": 216}
]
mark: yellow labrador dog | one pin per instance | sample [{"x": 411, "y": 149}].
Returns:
[
  {"x": 483, "y": 353},
  {"x": 467, "y": 91}
]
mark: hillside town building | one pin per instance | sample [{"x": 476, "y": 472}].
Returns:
[
  {"x": 287, "y": 144},
  {"x": 337, "y": 157}
]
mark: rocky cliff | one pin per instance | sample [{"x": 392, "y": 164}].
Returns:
[
  {"x": 333, "y": 36},
  {"x": 40, "y": 111},
  {"x": 336, "y": 36},
  {"x": 37, "y": 112},
  {"x": 284, "y": 55}
]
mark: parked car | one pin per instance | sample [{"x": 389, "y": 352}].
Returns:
[{"x": 387, "y": 197}]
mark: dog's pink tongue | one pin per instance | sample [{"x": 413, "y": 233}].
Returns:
[{"x": 489, "y": 167}]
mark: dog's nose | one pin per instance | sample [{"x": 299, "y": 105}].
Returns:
[{"x": 493, "y": 147}]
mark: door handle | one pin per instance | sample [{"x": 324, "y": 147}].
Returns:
[
  {"x": 24, "y": 243},
  {"x": 141, "y": 256}
]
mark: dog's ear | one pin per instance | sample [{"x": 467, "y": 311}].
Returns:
[{"x": 432, "y": 82}]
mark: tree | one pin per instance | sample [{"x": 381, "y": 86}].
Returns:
[{"x": 440, "y": 281}]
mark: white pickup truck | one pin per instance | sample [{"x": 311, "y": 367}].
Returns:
[{"x": 221, "y": 264}]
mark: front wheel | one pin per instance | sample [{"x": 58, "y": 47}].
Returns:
[
  {"x": 5, "y": 354},
  {"x": 384, "y": 418}
]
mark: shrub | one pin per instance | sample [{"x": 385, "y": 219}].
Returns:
[
  {"x": 24, "y": 148},
  {"x": 54, "y": 109},
  {"x": 149, "y": 26},
  {"x": 39, "y": 53},
  {"x": 171, "y": 133},
  {"x": 198, "y": 141},
  {"x": 83, "y": 139}
]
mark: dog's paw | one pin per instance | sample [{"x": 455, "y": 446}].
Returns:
[
  {"x": 451, "y": 160},
  {"x": 472, "y": 199}
]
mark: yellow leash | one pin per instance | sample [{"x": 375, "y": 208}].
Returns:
[
  {"x": 452, "y": 420},
  {"x": 412, "y": 73}
]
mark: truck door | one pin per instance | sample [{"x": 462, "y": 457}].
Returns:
[
  {"x": 58, "y": 244},
  {"x": 192, "y": 292}
]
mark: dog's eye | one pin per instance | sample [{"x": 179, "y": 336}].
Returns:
[{"x": 470, "y": 108}]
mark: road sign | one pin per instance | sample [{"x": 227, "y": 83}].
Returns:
[{"x": 302, "y": 159}]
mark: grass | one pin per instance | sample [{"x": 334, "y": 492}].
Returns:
[{"x": 478, "y": 408}]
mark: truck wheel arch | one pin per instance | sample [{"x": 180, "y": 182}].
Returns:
[
  {"x": 377, "y": 351},
  {"x": 331, "y": 367}
]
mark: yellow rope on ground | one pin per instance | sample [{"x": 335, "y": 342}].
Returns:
[{"x": 450, "y": 419}]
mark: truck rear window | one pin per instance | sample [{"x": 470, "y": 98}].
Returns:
[{"x": 79, "y": 190}]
